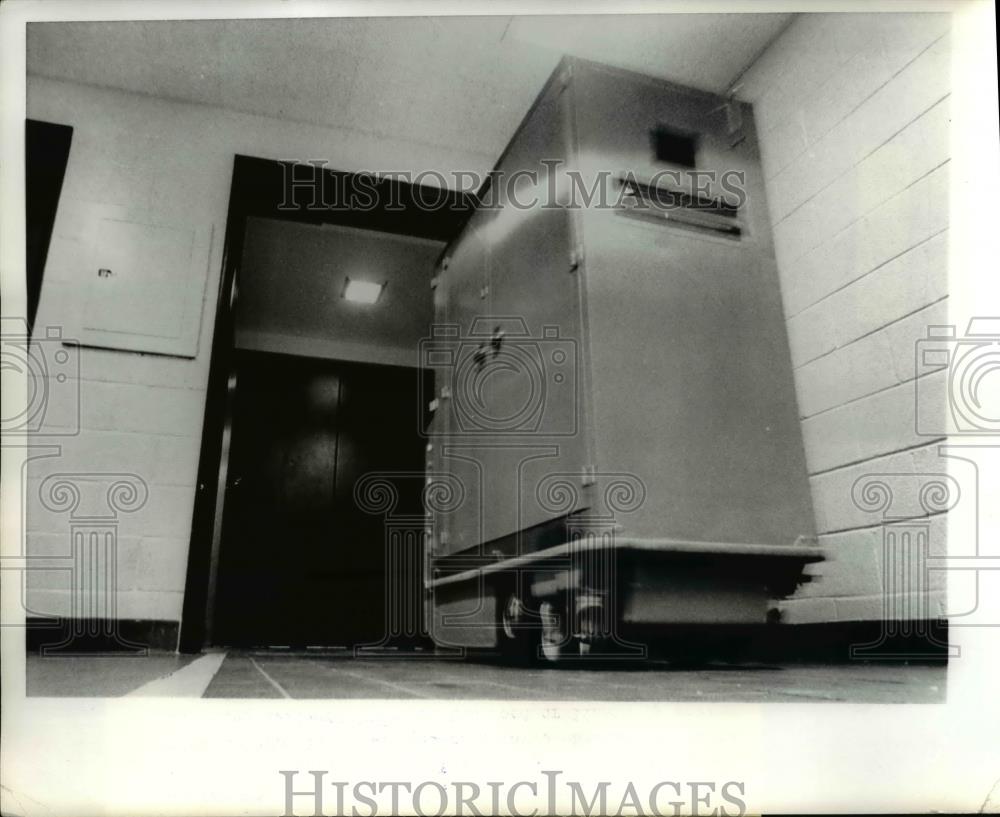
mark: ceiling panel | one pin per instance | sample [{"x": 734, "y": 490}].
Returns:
[
  {"x": 453, "y": 82},
  {"x": 292, "y": 280},
  {"x": 702, "y": 50}
]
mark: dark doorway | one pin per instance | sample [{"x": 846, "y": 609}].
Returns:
[
  {"x": 46, "y": 152},
  {"x": 275, "y": 580},
  {"x": 301, "y": 564}
]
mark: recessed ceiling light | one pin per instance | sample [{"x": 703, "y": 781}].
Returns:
[{"x": 362, "y": 292}]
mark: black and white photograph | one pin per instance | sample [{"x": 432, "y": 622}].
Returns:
[{"x": 491, "y": 409}]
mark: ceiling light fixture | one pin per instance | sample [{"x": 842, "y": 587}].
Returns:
[{"x": 362, "y": 292}]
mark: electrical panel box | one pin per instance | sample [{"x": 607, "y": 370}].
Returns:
[{"x": 137, "y": 285}]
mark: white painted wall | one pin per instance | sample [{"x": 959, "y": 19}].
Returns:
[
  {"x": 853, "y": 119},
  {"x": 165, "y": 161}
]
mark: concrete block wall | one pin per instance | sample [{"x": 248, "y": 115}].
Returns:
[
  {"x": 852, "y": 112},
  {"x": 142, "y": 414}
]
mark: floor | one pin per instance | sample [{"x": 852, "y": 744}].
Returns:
[
  {"x": 268, "y": 674},
  {"x": 98, "y": 676}
]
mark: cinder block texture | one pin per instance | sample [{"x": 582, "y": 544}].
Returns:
[{"x": 853, "y": 119}]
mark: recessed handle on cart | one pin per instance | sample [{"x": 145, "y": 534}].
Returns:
[{"x": 702, "y": 221}]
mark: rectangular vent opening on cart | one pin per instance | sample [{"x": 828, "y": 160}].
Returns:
[
  {"x": 691, "y": 211},
  {"x": 674, "y": 146}
]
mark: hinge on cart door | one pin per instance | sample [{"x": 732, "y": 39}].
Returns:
[
  {"x": 445, "y": 392},
  {"x": 589, "y": 475},
  {"x": 575, "y": 258},
  {"x": 434, "y": 281}
]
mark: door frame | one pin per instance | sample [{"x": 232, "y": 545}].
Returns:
[{"x": 260, "y": 187}]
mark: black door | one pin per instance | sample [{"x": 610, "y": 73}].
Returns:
[
  {"x": 46, "y": 152},
  {"x": 300, "y": 563}
]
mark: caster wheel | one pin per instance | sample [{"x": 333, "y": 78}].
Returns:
[
  {"x": 564, "y": 637},
  {"x": 556, "y": 639},
  {"x": 517, "y": 638},
  {"x": 590, "y": 632},
  {"x": 512, "y": 617},
  {"x": 559, "y": 643}
]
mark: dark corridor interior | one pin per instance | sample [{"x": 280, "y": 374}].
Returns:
[{"x": 301, "y": 564}]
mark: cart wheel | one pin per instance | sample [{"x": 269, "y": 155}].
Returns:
[
  {"x": 590, "y": 633},
  {"x": 517, "y": 640},
  {"x": 563, "y": 638},
  {"x": 558, "y": 639}
]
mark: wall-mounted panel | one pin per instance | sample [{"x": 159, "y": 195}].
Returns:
[{"x": 142, "y": 286}]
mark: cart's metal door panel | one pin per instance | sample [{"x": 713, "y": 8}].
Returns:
[
  {"x": 536, "y": 356},
  {"x": 461, "y": 298}
]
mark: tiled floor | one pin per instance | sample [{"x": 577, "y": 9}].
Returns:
[{"x": 291, "y": 675}]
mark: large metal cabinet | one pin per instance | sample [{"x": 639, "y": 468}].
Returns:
[{"x": 615, "y": 350}]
